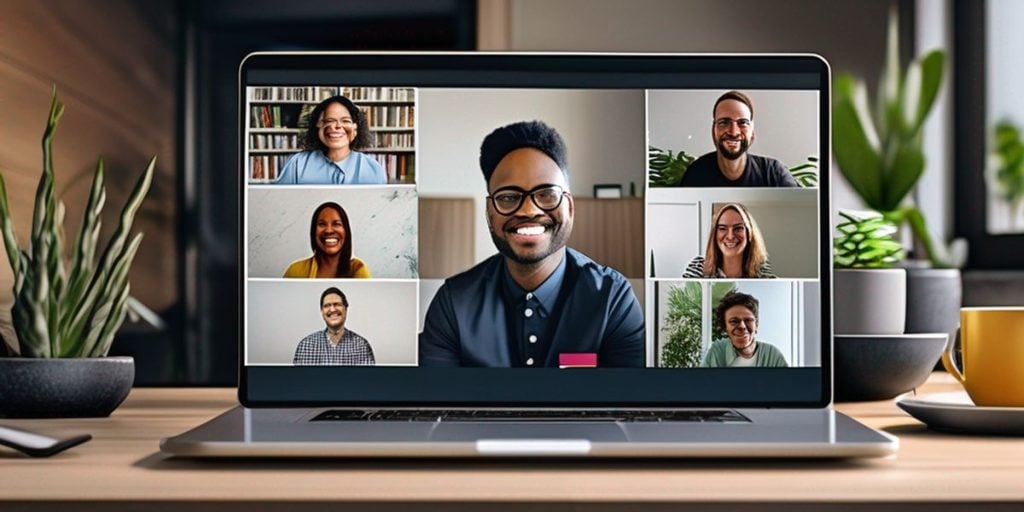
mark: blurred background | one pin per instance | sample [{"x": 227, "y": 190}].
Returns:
[{"x": 141, "y": 78}]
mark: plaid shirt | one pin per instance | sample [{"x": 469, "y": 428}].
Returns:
[{"x": 317, "y": 350}]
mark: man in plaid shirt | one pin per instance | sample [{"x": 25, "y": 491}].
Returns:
[{"x": 334, "y": 345}]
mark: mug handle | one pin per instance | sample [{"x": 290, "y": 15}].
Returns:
[{"x": 947, "y": 357}]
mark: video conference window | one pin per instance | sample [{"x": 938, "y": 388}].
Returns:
[{"x": 534, "y": 230}]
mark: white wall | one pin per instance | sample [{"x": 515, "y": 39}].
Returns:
[
  {"x": 785, "y": 122},
  {"x": 383, "y": 221},
  {"x": 282, "y": 312},
  {"x": 603, "y": 130}
]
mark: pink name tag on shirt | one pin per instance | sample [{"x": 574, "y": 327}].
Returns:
[{"x": 579, "y": 360}]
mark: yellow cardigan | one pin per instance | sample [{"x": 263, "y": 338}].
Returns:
[{"x": 307, "y": 268}]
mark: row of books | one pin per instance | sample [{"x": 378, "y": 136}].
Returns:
[
  {"x": 266, "y": 167},
  {"x": 389, "y": 116},
  {"x": 274, "y": 141},
  {"x": 273, "y": 116},
  {"x": 393, "y": 140},
  {"x": 318, "y": 94},
  {"x": 400, "y": 168}
]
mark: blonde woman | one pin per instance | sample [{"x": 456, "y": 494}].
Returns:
[{"x": 735, "y": 248}]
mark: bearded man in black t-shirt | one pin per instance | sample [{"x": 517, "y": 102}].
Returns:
[{"x": 732, "y": 130}]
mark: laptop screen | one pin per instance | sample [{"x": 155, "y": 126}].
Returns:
[{"x": 534, "y": 229}]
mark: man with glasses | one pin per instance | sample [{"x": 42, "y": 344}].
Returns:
[
  {"x": 737, "y": 314},
  {"x": 537, "y": 303},
  {"x": 334, "y": 345},
  {"x": 337, "y": 131},
  {"x": 731, "y": 165}
]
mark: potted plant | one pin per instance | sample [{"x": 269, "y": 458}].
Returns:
[
  {"x": 666, "y": 168},
  {"x": 682, "y": 327},
  {"x": 879, "y": 151},
  {"x": 872, "y": 293},
  {"x": 65, "y": 318}
]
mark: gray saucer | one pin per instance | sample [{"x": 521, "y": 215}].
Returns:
[{"x": 955, "y": 412}]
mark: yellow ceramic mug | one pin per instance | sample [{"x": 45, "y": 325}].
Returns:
[{"x": 992, "y": 345}]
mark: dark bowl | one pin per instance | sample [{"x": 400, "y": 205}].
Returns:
[
  {"x": 882, "y": 366},
  {"x": 64, "y": 388}
]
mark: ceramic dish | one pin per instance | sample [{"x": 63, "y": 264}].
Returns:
[
  {"x": 954, "y": 412},
  {"x": 882, "y": 366}
]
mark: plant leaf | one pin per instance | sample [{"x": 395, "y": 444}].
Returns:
[
  {"x": 856, "y": 144},
  {"x": 907, "y": 166},
  {"x": 930, "y": 69}
]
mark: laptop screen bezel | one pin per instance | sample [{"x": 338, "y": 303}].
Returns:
[{"x": 806, "y": 387}]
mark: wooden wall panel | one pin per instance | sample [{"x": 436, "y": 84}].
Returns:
[
  {"x": 611, "y": 232},
  {"x": 446, "y": 236},
  {"x": 114, "y": 63}
]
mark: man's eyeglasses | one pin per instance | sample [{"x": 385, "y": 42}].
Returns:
[
  {"x": 507, "y": 201},
  {"x": 344, "y": 123},
  {"x": 742, "y": 123}
]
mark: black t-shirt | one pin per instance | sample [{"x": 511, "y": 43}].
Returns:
[{"x": 761, "y": 171}]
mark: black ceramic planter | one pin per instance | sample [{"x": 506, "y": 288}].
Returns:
[
  {"x": 64, "y": 388},
  {"x": 881, "y": 367}
]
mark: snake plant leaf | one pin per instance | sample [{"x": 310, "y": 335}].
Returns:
[
  {"x": 14, "y": 255},
  {"x": 99, "y": 280},
  {"x": 856, "y": 142},
  {"x": 930, "y": 70},
  {"x": 85, "y": 248},
  {"x": 906, "y": 169}
]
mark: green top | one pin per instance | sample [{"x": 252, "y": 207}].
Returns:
[{"x": 721, "y": 355}]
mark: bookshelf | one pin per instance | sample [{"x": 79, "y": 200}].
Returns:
[{"x": 277, "y": 117}]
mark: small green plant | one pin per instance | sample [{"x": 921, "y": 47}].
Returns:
[
  {"x": 682, "y": 327},
  {"x": 864, "y": 240},
  {"x": 806, "y": 174},
  {"x": 1008, "y": 153},
  {"x": 667, "y": 168},
  {"x": 879, "y": 147},
  {"x": 57, "y": 314}
]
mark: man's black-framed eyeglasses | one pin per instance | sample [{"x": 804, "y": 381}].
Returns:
[{"x": 508, "y": 200}]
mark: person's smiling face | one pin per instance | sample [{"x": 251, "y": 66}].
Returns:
[
  {"x": 741, "y": 326},
  {"x": 330, "y": 232},
  {"x": 334, "y": 311},
  {"x": 529, "y": 234},
  {"x": 731, "y": 234},
  {"x": 732, "y": 128},
  {"x": 336, "y": 127}
]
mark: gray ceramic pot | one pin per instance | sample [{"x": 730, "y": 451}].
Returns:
[
  {"x": 883, "y": 366},
  {"x": 64, "y": 388},
  {"x": 869, "y": 301},
  {"x": 933, "y": 300}
]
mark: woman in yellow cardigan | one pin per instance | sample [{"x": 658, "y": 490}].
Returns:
[{"x": 330, "y": 237}]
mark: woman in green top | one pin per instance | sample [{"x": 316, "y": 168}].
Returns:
[
  {"x": 738, "y": 314},
  {"x": 330, "y": 237}
]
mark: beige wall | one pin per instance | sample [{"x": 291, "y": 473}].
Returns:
[
  {"x": 850, "y": 35},
  {"x": 116, "y": 76}
]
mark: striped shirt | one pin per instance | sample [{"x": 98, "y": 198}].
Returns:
[
  {"x": 695, "y": 270},
  {"x": 317, "y": 350}
]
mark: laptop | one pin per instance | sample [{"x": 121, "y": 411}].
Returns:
[{"x": 486, "y": 254}]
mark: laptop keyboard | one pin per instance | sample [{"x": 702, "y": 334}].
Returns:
[{"x": 693, "y": 416}]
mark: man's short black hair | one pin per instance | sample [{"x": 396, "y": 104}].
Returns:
[
  {"x": 735, "y": 298},
  {"x": 524, "y": 134},
  {"x": 734, "y": 95},
  {"x": 344, "y": 300}
]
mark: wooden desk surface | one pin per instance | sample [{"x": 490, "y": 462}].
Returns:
[{"x": 122, "y": 467}]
